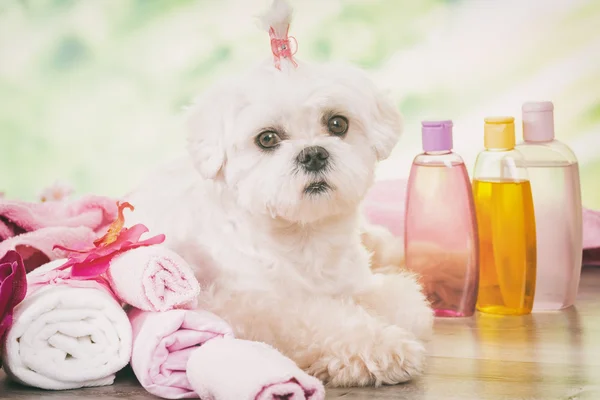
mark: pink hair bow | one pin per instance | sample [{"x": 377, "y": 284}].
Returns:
[{"x": 283, "y": 48}]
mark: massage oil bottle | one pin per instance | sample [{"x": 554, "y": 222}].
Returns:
[
  {"x": 440, "y": 237},
  {"x": 554, "y": 175},
  {"x": 506, "y": 223}
]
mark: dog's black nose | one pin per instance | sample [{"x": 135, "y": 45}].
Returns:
[{"x": 313, "y": 158}]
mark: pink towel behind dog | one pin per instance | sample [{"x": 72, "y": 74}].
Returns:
[
  {"x": 591, "y": 237},
  {"x": 385, "y": 204},
  {"x": 162, "y": 344},
  {"x": 17, "y": 217},
  {"x": 591, "y": 229},
  {"x": 153, "y": 278},
  {"x": 228, "y": 369}
]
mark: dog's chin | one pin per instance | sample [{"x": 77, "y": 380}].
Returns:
[
  {"x": 317, "y": 188},
  {"x": 318, "y": 201}
]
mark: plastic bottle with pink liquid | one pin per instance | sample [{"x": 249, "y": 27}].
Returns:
[
  {"x": 554, "y": 175},
  {"x": 440, "y": 238}
]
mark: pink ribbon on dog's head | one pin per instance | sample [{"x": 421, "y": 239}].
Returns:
[{"x": 284, "y": 47}]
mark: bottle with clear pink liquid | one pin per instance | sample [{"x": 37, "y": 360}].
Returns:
[
  {"x": 554, "y": 175},
  {"x": 440, "y": 238}
]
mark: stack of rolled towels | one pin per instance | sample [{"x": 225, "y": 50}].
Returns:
[{"x": 71, "y": 332}]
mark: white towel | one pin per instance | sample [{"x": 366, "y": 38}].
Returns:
[
  {"x": 234, "y": 369},
  {"x": 66, "y": 337}
]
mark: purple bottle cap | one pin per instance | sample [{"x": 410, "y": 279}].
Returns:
[{"x": 437, "y": 135}]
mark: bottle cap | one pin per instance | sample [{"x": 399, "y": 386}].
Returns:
[
  {"x": 499, "y": 133},
  {"x": 436, "y": 135},
  {"x": 538, "y": 121}
]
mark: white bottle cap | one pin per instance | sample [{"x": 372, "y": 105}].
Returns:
[{"x": 538, "y": 121}]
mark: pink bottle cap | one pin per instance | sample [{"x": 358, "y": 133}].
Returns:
[
  {"x": 538, "y": 121},
  {"x": 436, "y": 135}
]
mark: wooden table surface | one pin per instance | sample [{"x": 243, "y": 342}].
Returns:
[{"x": 545, "y": 356}]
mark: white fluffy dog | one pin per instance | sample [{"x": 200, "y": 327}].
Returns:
[{"x": 266, "y": 209}]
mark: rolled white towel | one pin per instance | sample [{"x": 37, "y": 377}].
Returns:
[{"x": 67, "y": 335}]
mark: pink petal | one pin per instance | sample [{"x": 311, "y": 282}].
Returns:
[
  {"x": 57, "y": 246},
  {"x": 132, "y": 234},
  {"x": 92, "y": 268},
  {"x": 13, "y": 287},
  {"x": 96, "y": 261},
  {"x": 158, "y": 239}
]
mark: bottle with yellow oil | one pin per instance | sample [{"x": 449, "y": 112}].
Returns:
[{"x": 506, "y": 223}]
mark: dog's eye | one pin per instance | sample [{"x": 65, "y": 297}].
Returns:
[
  {"x": 337, "y": 125},
  {"x": 268, "y": 139}
]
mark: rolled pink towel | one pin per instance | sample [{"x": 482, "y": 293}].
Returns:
[
  {"x": 32, "y": 229},
  {"x": 162, "y": 344},
  {"x": 234, "y": 369},
  {"x": 153, "y": 278},
  {"x": 36, "y": 247},
  {"x": 17, "y": 217}
]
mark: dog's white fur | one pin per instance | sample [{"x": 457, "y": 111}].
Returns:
[{"x": 282, "y": 266}]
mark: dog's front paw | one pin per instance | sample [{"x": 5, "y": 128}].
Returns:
[
  {"x": 399, "y": 300},
  {"x": 387, "y": 356}
]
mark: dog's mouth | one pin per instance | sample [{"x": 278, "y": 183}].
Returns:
[{"x": 316, "y": 188}]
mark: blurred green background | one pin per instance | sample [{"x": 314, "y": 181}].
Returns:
[{"x": 91, "y": 91}]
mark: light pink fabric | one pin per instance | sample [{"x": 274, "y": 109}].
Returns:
[
  {"x": 32, "y": 229},
  {"x": 591, "y": 229},
  {"x": 162, "y": 344},
  {"x": 153, "y": 278},
  {"x": 386, "y": 201},
  {"x": 56, "y": 277},
  {"x": 36, "y": 247},
  {"x": 243, "y": 370},
  {"x": 18, "y": 217},
  {"x": 385, "y": 204}
]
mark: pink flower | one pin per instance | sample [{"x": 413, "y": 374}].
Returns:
[
  {"x": 13, "y": 287},
  {"x": 95, "y": 261},
  {"x": 56, "y": 192}
]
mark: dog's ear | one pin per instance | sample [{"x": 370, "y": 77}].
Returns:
[
  {"x": 208, "y": 121},
  {"x": 386, "y": 125}
]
